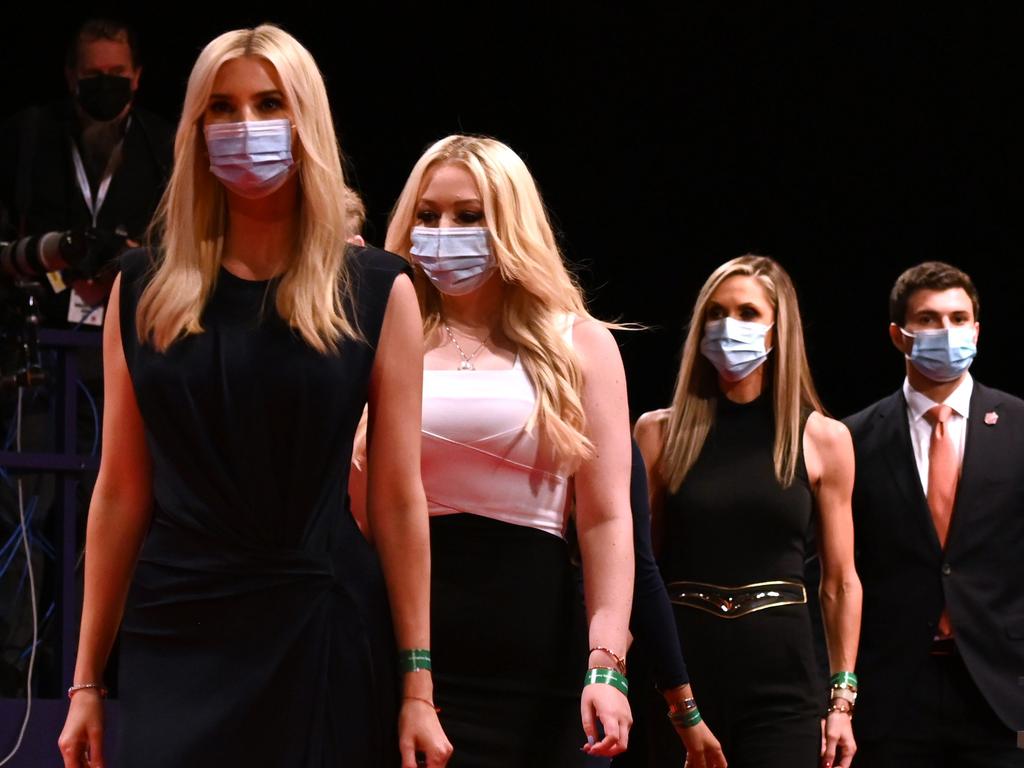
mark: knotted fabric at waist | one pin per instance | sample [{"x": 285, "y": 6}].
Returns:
[
  {"x": 734, "y": 602},
  {"x": 194, "y": 565}
]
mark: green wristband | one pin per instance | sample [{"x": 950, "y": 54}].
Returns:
[
  {"x": 414, "y": 659},
  {"x": 607, "y": 676},
  {"x": 844, "y": 678},
  {"x": 685, "y": 719}
]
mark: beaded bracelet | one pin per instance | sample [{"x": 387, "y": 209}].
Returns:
[
  {"x": 99, "y": 688},
  {"x": 414, "y": 659},
  {"x": 840, "y": 679},
  {"x": 607, "y": 676},
  {"x": 620, "y": 662},
  {"x": 846, "y": 710}
]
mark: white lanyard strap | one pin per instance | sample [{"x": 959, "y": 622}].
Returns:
[{"x": 94, "y": 206}]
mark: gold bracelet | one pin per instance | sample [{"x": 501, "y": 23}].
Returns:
[
  {"x": 428, "y": 702},
  {"x": 845, "y": 694},
  {"x": 620, "y": 662}
]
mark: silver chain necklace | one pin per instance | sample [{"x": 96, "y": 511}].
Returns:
[{"x": 467, "y": 360}]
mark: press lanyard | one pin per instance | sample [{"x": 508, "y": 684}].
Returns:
[{"x": 94, "y": 206}]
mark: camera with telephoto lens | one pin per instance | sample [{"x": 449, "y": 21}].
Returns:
[{"x": 82, "y": 254}]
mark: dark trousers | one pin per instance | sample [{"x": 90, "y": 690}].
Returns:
[{"x": 947, "y": 722}]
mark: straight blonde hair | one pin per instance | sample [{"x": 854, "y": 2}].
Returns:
[
  {"x": 191, "y": 220},
  {"x": 539, "y": 294},
  {"x": 693, "y": 404}
]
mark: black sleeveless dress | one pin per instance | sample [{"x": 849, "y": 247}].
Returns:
[
  {"x": 732, "y": 524},
  {"x": 257, "y": 630}
]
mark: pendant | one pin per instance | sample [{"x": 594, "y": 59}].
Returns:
[{"x": 466, "y": 365}]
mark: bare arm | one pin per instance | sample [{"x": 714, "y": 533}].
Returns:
[
  {"x": 828, "y": 449},
  {"x": 397, "y": 508},
  {"x": 604, "y": 519},
  {"x": 120, "y": 509},
  {"x": 119, "y": 516}
]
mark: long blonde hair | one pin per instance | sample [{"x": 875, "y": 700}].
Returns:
[
  {"x": 693, "y": 404},
  {"x": 539, "y": 291},
  {"x": 192, "y": 218}
]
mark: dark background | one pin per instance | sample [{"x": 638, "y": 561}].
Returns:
[{"x": 848, "y": 142}]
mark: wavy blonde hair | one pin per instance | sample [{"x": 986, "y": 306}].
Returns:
[
  {"x": 693, "y": 404},
  {"x": 192, "y": 218},
  {"x": 539, "y": 293}
]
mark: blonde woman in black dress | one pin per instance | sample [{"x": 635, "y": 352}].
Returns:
[
  {"x": 238, "y": 358},
  {"x": 740, "y": 466}
]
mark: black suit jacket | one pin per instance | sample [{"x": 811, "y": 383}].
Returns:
[{"x": 908, "y": 578}]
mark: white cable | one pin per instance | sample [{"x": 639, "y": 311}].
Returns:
[{"x": 32, "y": 595}]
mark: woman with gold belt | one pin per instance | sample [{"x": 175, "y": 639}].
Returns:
[{"x": 740, "y": 466}]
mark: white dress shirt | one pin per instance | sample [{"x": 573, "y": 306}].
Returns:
[{"x": 921, "y": 431}]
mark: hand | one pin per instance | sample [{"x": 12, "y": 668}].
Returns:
[
  {"x": 419, "y": 731},
  {"x": 702, "y": 748},
  {"x": 837, "y": 731},
  {"x": 81, "y": 741},
  {"x": 610, "y": 707}
]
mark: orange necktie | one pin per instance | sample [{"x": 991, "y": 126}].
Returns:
[{"x": 943, "y": 474}]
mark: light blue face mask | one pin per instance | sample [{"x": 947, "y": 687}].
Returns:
[
  {"x": 942, "y": 354},
  {"x": 735, "y": 347},
  {"x": 252, "y": 158},
  {"x": 458, "y": 260}
]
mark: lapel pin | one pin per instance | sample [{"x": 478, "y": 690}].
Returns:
[{"x": 991, "y": 418}]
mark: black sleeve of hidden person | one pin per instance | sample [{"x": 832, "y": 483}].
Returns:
[{"x": 652, "y": 623}]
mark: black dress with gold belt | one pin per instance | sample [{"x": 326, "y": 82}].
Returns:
[{"x": 733, "y": 562}]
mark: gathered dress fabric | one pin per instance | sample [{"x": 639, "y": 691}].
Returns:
[
  {"x": 257, "y": 629},
  {"x": 507, "y": 626},
  {"x": 732, "y": 524}
]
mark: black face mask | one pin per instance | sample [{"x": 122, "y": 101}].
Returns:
[{"x": 104, "y": 96}]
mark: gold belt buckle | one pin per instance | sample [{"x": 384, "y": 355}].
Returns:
[{"x": 734, "y": 602}]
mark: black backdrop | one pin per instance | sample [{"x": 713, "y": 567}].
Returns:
[{"x": 848, "y": 142}]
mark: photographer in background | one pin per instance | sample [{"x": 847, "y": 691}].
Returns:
[
  {"x": 93, "y": 162},
  {"x": 80, "y": 179}
]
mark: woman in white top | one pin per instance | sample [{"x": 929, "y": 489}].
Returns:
[{"x": 525, "y": 415}]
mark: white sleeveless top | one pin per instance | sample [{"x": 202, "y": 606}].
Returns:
[{"x": 477, "y": 454}]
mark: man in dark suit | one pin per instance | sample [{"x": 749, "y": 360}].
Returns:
[{"x": 939, "y": 514}]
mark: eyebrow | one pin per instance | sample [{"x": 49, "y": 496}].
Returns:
[
  {"x": 744, "y": 305},
  {"x": 260, "y": 95},
  {"x": 468, "y": 200}
]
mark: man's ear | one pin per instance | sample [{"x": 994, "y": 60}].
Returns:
[
  {"x": 72, "y": 79},
  {"x": 901, "y": 342},
  {"x": 135, "y": 79}
]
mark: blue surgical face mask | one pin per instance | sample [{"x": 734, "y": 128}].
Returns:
[
  {"x": 942, "y": 354},
  {"x": 253, "y": 158},
  {"x": 458, "y": 260},
  {"x": 736, "y": 348}
]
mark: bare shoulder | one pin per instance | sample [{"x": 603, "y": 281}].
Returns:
[
  {"x": 827, "y": 434},
  {"x": 594, "y": 343},
  {"x": 649, "y": 433},
  {"x": 652, "y": 423},
  {"x": 825, "y": 431}
]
